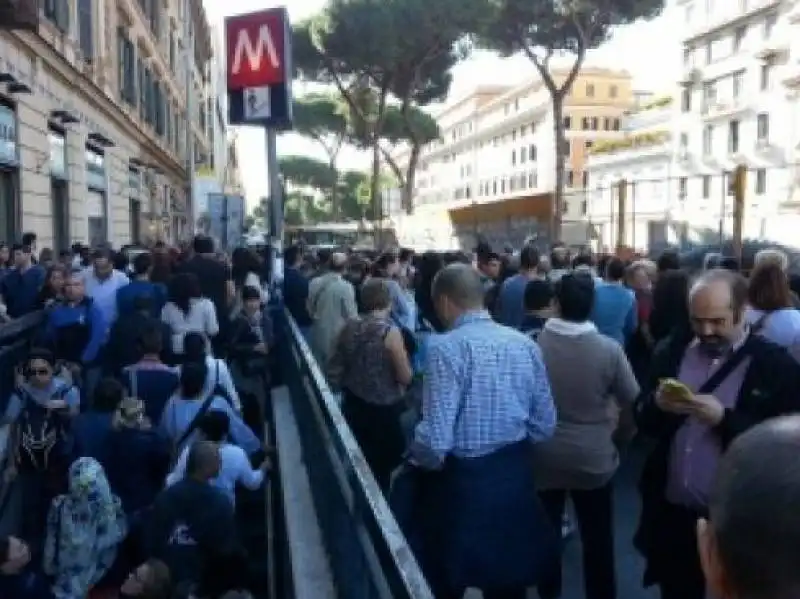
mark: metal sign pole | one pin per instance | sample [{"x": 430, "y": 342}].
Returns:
[{"x": 276, "y": 201}]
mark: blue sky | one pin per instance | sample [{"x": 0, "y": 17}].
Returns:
[{"x": 650, "y": 51}]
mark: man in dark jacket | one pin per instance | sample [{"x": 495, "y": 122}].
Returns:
[
  {"x": 192, "y": 526},
  {"x": 730, "y": 380}
]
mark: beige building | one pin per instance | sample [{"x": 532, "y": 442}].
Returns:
[
  {"x": 93, "y": 139},
  {"x": 492, "y": 173}
]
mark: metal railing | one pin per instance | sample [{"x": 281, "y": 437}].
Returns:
[{"x": 369, "y": 556}]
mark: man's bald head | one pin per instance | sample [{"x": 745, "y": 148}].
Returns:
[
  {"x": 754, "y": 525},
  {"x": 722, "y": 283},
  {"x": 461, "y": 285},
  {"x": 203, "y": 460}
]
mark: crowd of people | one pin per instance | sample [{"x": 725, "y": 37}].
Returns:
[
  {"x": 136, "y": 443},
  {"x": 486, "y": 391}
]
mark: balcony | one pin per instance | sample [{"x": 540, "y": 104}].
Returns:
[
  {"x": 773, "y": 50},
  {"x": 691, "y": 76},
  {"x": 724, "y": 108}
]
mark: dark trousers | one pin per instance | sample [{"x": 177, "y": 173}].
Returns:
[
  {"x": 681, "y": 575},
  {"x": 379, "y": 433},
  {"x": 594, "y": 513}
]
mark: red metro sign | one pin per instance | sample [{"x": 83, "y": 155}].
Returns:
[{"x": 257, "y": 49}]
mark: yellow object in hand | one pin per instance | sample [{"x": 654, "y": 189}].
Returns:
[{"x": 677, "y": 388}]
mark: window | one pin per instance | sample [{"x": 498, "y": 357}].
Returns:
[
  {"x": 142, "y": 78},
  {"x": 523, "y": 155},
  {"x": 683, "y": 184},
  {"x": 616, "y": 125},
  {"x": 738, "y": 38},
  {"x": 761, "y": 181},
  {"x": 613, "y": 91},
  {"x": 566, "y": 148},
  {"x": 570, "y": 178},
  {"x": 709, "y": 52},
  {"x": 584, "y": 123},
  {"x": 532, "y": 179},
  {"x": 513, "y": 157},
  {"x": 158, "y": 108},
  {"x": 769, "y": 25},
  {"x": 733, "y": 137},
  {"x": 85, "y": 28},
  {"x": 585, "y": 180},
  {"x": 738, "y": 83},
  {"x": 532, "y": 152},
  {"x": 567, "y": 123},
  {"x": 684, "y": 143},
  {"x": 762, "y": 127},
  {"x": 589, "y": 90},
  {"x": 523, "y": 131},
  {"x": 706, "y": 186},
  {"x": 686, "y": 100},
  {"x": 57, "y": 12},
  {"x": 595, "y": 123},
  {"x": 127, "y": 68},
  {"x": 172, "y": 50},
  {"x": 764, "y": 77},
  {"x": 708, "y": 138}
]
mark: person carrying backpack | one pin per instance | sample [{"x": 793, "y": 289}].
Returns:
[{"x": 40, "y": 411}]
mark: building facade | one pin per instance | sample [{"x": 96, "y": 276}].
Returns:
[
  {"x": 733, "y": 106},
  {"x": 492, "y": 172},
  {"x": 93, "y": 121}
]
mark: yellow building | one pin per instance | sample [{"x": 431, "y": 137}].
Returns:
[{"x": 493, "y": 170}]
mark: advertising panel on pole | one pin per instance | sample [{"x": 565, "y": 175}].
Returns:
[
  {"x": 259, "y": 68},
  {"x": 226, "y": 219}
]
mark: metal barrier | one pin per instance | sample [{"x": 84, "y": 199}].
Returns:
[
  {"x": 369, "y": 556},
  {"x": 15, "y": 341}
]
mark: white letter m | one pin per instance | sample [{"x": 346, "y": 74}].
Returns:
[{"x": 255, "y": 55}]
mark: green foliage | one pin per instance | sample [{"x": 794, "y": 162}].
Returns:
[
  {"x": 542, "y": 28},
  {"x": 322, "y": 118},
  {"x": 558, "y": 25},
  {"x": 302, "y": 171},
  {"x": 410, "y": 126}
]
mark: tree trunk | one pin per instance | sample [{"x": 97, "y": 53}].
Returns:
[
  {"x": 410, "y": 178},
  {"x": 374, "y": 184},
  {"x": 556, "y": 209},
  {"x": 335, "y": 209}
]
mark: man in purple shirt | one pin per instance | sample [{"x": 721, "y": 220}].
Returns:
[{"x": 735, "y": 381}]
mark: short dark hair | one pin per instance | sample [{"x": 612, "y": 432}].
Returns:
[
  {"x": 375, "y": 295},
  {"x": 29, "y": 238},
  {"x": 615, "y": 270},
  {"x": 142, "y": 263},
  {"x": 291, "y": 255},
  {"x": 539, "y": 295},
  {"x": 669, "y": 260},
  {"x": 753, "y": 510},
  {"x": 736, "y": 283},
  {"x": 151, "y": 339},
  {"x": 575, "y": 296},
  {"x": 202, "y": 244},
  {"x": 108, "y": 394},
  {"x": 768, "y": 288},
  {"x": 215, "y": 425},
  {"x": 583, "y": 259},
  {"x": 528, "y": 257}
]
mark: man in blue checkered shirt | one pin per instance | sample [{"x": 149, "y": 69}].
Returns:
[{"x": 486, "y": 400}]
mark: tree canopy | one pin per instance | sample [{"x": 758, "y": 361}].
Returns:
[
  {"x": 375, "y": 51},
  {"x": 543, "y": 29}
]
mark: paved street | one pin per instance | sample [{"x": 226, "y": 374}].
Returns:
[{"x": 629, "y": 563}]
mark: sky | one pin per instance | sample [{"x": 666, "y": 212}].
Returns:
[{"x": 650, "y": 51}]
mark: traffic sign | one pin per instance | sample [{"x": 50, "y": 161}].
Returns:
[{"x": 259, "y": 68}]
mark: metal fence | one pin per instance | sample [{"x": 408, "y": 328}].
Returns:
[
  {"x": 685, "y": 209},
  {"x": 368, "y": 554}
]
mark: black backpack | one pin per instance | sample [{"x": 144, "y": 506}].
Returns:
[{"x": 44, "y": 437}]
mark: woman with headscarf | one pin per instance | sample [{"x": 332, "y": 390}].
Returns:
[{"x": 84, "y": 529}]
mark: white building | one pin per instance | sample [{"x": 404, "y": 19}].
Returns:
[
  {"x": 732, "y": 109},
  {"x": 492, "y": 172}
]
